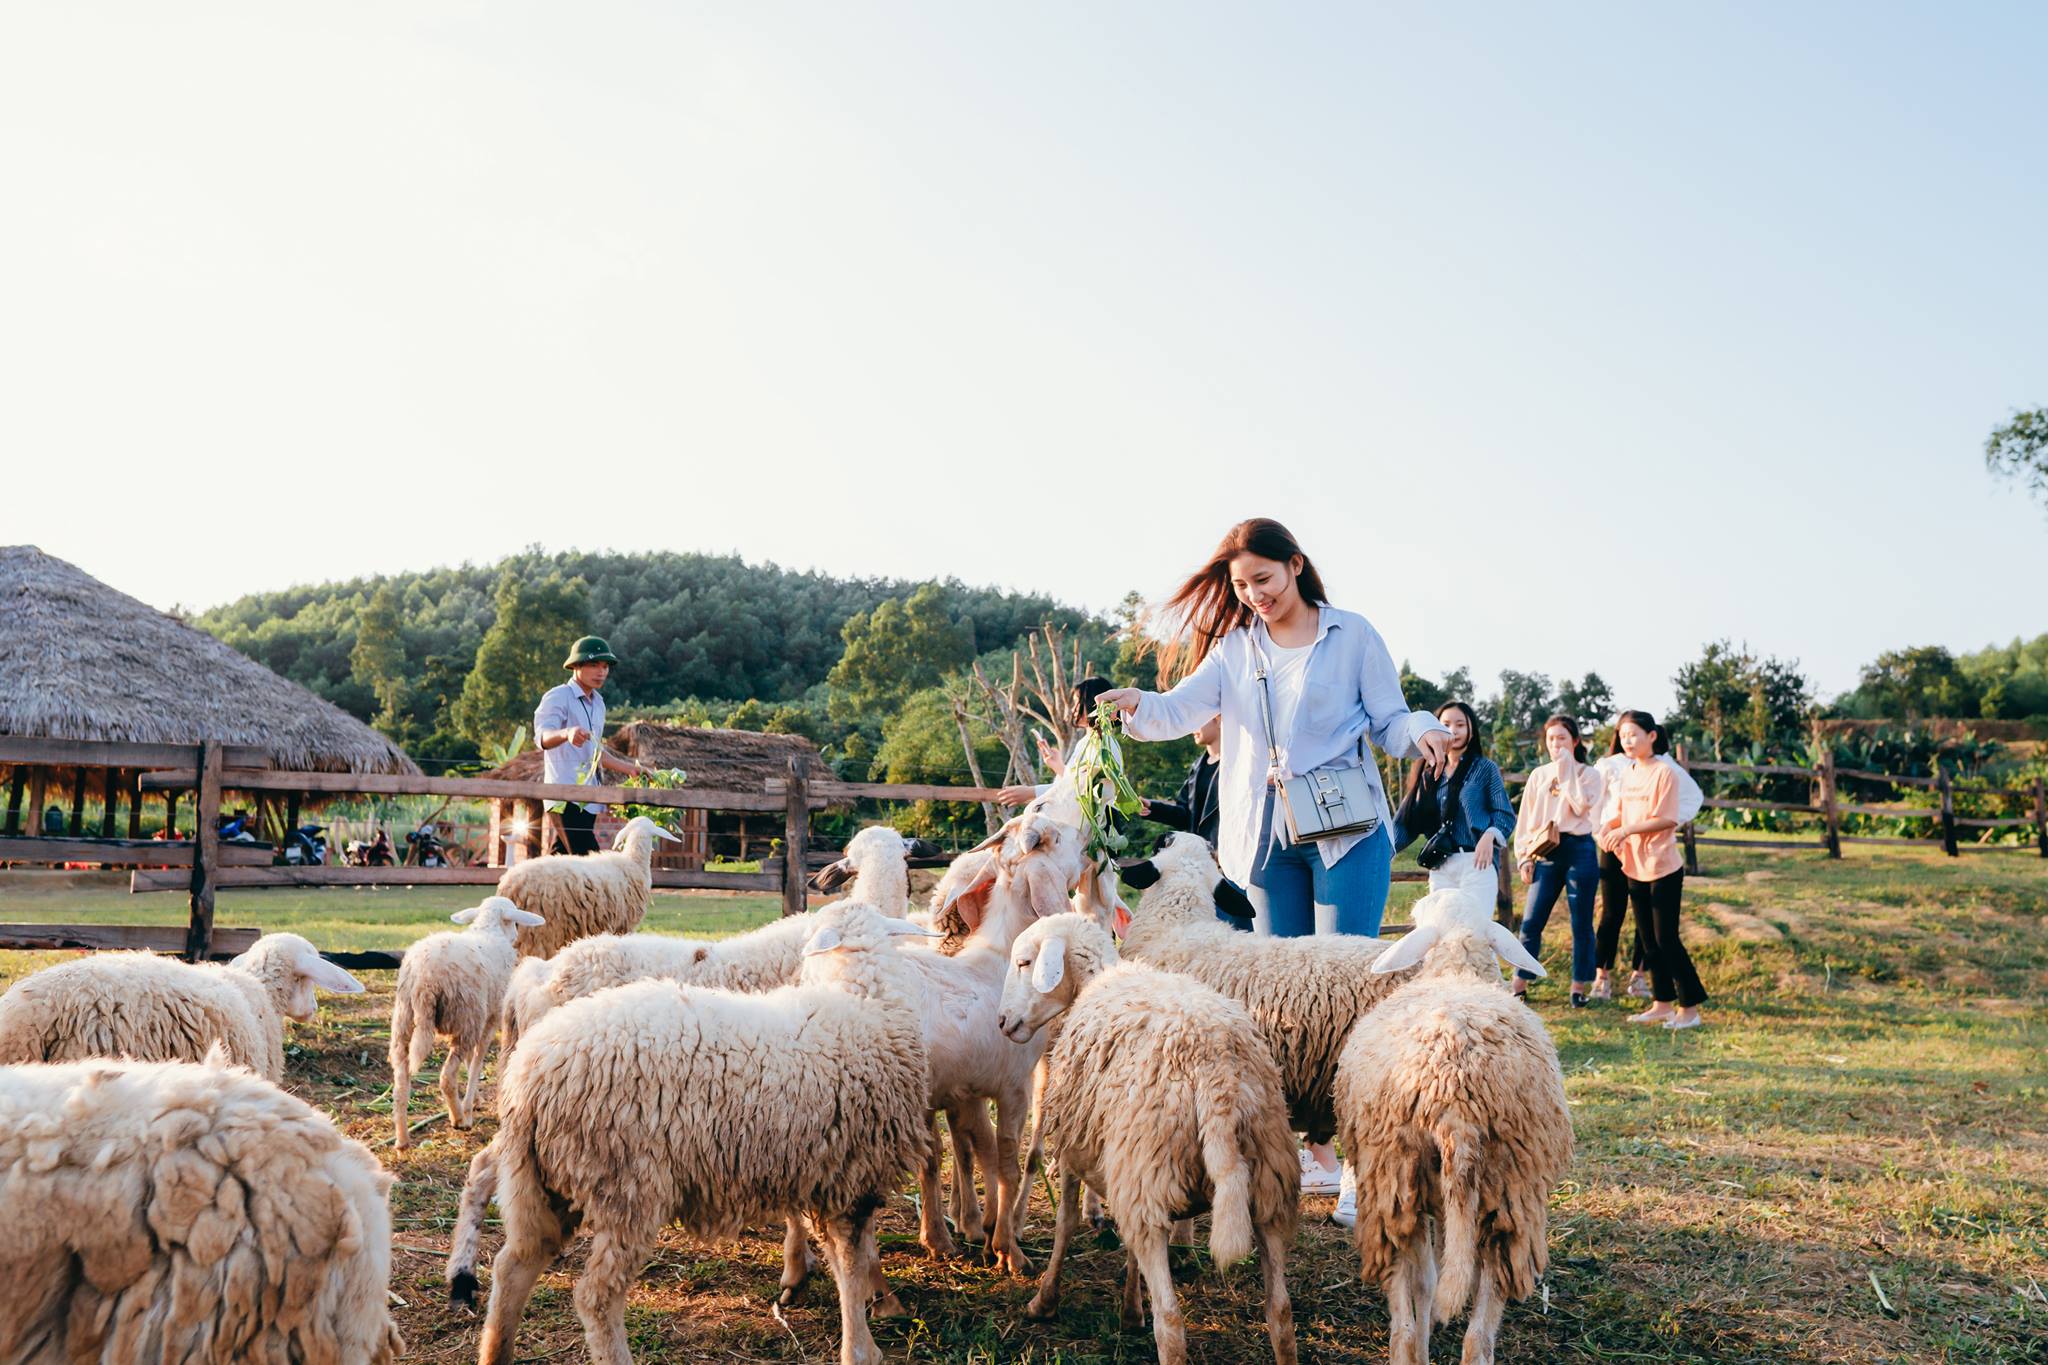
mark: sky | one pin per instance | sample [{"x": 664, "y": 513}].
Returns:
[{"x": 1564, "y": 337}]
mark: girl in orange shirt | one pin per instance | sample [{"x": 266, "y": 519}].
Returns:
[{"x": 1642, "y": 835}]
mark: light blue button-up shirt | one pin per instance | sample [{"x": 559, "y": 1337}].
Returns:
[
  {"x": 1351, "y": 702},
  {"x": 560, "y": 709}
]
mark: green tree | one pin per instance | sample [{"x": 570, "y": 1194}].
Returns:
[
  {"x": 1912, "y": 683},
  {"x": 378, "y": 661},
  {"x": 521, "y": 654},
  {"x": 902, "y": 646},
  {"x": 2019, "y": 451},
  {"x": 1729, "y": 694}
]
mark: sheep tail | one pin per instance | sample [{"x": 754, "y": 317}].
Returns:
[
  {"x": 1230, "y": 1210},
  {"x": 423, "y": 1037},
  {"x": 1459, "y": 1150},
  {"x": 477, "y": 1192},
  {"x": 402, "y": 1033}
]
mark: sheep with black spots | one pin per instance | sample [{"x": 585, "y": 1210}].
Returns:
[
  {"x": 1452, "y": 1110},
  {"x": 172, "y": 1211},
  {"x": 451, "y": 985},
  {"x": 1163, "y": 1098},
  {"x": 158, "y": 1009}
]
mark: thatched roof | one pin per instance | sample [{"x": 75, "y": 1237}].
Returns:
[
  {"x": 82, "y": 661},
  {"x": 716, "y": 760}
]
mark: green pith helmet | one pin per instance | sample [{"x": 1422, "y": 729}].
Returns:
[{"x": 589, "y": 650}]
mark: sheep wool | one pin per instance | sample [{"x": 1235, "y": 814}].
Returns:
[
  {"x": 598, "y": 893},
  {"x": 158, "y": 1009},
  {"x": 161, "y": 1211},
  {"x": 652, "y": 1102}
]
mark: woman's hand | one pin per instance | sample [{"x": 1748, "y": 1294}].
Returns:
[
  {"x": 1482, "y": 853},
  {"x": 1124, "y": 699},
  {"x": 1526, "y": 870},
  {"x": 1436, "y": 750},
  {"x": 1016, "y": 796}
]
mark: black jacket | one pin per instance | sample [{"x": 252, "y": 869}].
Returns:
[{"x": 1195, "y": 808}]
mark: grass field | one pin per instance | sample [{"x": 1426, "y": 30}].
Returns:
[{"x": 1849, "y": 1164}]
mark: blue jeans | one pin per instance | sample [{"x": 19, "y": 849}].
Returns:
[
  {"x": 1574, "y": 868},
  {"x": 1295, "y": 895}
]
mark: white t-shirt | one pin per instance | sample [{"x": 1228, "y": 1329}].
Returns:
[{"x": 1288, "y": 676}]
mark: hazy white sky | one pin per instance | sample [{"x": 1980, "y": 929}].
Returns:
[{"x": 1564, "y": 336}]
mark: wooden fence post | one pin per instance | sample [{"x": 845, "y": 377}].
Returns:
[
  {"x": 1830, "y": 811},
  {"x": 134, "y": 791},
  {"x": 110, "y": 800},
  {"x": 2041, "y": 817},
  {"x": 796, "y": 838},
  {"x": 205, "y": 853},
  {"x": 1685, "y": 831},
  {"x": 1946, "y": 786},
  {"x": 77, "y": 802},
  {"x": 1504, "y": 908},
  {"x": 15, "y": 787}
]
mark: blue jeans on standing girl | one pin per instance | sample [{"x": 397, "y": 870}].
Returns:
[
  {"x": 1294, "y": 895},
  {"x": 1573, "y": 868}
]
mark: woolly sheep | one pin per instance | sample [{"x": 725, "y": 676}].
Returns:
[
  {"x": 1305, "y": 993},
  {"x": 652, "y": 1102},
  {"x": 158, "y": 1009},
  {"x": 598, "y": 893},
  {"x": 1452, "y": 1110},
  {"x": 1164, "y": 1098},
  {"x": 450, "y": 985},
  {"x": 526, "y": 1000},
  {"x": 160, "y": 1211}
]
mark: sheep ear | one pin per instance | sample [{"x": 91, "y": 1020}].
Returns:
[
  {"x": 828, "y": 879},
  {"x": 824, "y": 941},
  {"x": 661, "y": 833},
  {"x": 329, "y": 977},
  {"x": 1139, "y": 872},
  {"x": 1232, "y": 901},
  {"x": 906, "y": 928},
  {"x": 1412, "y": 947},
  {"x": 465, "y": 916},
  {"x": 920, "y": 848},
  {"x": 525, "y": 917},
  {"x": 1051, "y": 967},
  {"x": 1511, "y": 950},
  {"x": 996, "y": 838}
]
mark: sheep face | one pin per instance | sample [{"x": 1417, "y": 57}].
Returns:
[
  {"x": 642, "y": 827},
  {"x": 1451, "y": 926},
  {"x": 1188, "y": 856},
  {"x": 499, "y": 914},
  {"x": 856, "y": 928},
  {"x": 1047, "y": 860},
  {"x": 1049, "y": 964},
  {"x": 876, "y": 841},
  {"x": 292, "y": 969}
]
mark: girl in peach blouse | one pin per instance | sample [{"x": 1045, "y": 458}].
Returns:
[
  {"x": 1564, "y": 792},
  {"x": 1642, "y": 835}
]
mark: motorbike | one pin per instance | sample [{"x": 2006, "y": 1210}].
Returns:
[
  {"x": 426, "y": 848},
  {"x": 306, "y": 846}
]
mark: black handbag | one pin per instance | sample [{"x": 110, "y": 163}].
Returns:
[{"x": 1444, "y": 843}]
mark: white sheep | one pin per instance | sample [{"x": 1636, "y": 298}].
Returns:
[
  {"x": 451, "y": 985},
  {"x": 526, "y": 1000},
  {"x": 1451, "y": 1106},
  {"x": 161, "y": 1211},
  {"x": 1164, "y": 1098},
  {"x": 653, "y": 1102},
  {"x": 598, "y": 893},
  {"x": 1305, "y": 993},
  {"x": 158, "y": 1009}
]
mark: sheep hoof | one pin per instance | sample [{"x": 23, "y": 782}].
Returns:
[
  {"x": 889, "y": 1306},
  {"x": 462, "y": 1291},
  {"x": 1042, "y": 1306},
  {"x": 940, "y": 1248},
  {"x": 1013, "y": 1261},
  {"x": 790, "y": 1294}
]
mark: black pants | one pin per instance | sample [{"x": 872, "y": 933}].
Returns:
[
  {"x": 579, "y": 830},
  {"x": 1671, "y": 973},
  {"x": 1613, "y": 914}
]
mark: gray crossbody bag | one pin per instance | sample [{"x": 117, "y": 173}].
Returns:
[{"x": 1327, "y": 803}]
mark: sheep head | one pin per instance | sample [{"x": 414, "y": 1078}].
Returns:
[
  {"x": 1050, "y": 963},
  {"x": 1457, "y": 918},
  {"x": 1187, "y": 857},
  {"x": 291, "y": 969},
  {"x": 497, "y": 914},
  {"x": 637, "y": 838},
  {"x": 851, "y": 926},
  {"x": 870, "y": 848}
]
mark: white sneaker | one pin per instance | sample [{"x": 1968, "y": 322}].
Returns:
[
  {"x": 1316, "y": 1178},
  {"x": 1346, "y": 1212}
]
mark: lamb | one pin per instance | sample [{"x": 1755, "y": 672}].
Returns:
[
  {"x": 1164, "y": 1098},
  {"x": 157, "y": 1009},
  {"x": 599, "y": 893},
  {"x": 1305, "y": 993},
  {"x": 450, "y": 985},
  {"x": 653, "y": 1102},
  {"x": 179, "y": 1211},
  {"x": 526, "y": 1000},
  {"x": 1452, "y": 1109}
]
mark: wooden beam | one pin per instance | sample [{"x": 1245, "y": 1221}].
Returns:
[
  {"x": 1893, "y": 812},
  {"x": 1761, "y": 769},
  {"x": 839, "y": 793},
  {"x": 1897, "y": 780},
  {"x": 110, "y": 799},
  {"x": 796, "y": 837},
  {"x": 1739, "y": 803},
  {"x": 17, "y": 784},
  {"x": 126, "y": 852},
  {"x": 394, "y": 784},
  {"x": 155, "y": 938},
  {"x": 205, "y": 854},
  {"x": 38, "y": 789},
  {"x": 769, "y": 878},
  {"x": 101, "y": 753},
  {"x": 1814, "y": 844}
]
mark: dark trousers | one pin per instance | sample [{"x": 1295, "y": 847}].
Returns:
[
  {"x": 579, "y": 829},
  {"x": 1613, "y": 914},
  {"x": 1671, "y": 973}
]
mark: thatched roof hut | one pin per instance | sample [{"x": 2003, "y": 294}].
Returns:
[{"x": 83, "y": 661}]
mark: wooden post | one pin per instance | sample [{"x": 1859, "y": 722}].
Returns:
[
  {"x": 1504, "y": 908},
  {"x": 110, "y": 796},
  {"x": 2041, "y": 817},
  {"x": 1830, "y": 809},
  {"x": 134, "y": 789},
  {"x": 205, "y": 853},
  {"x": 495, "y": 852},
  {"x": 77, "y": 802},
  {"x": 796, "y": 838},
  {"x": 291, "y": 817},
  {"x": 1685, "y": 831},
  {"x": 14, "y": 792},
  {"x": 1946, "y": 786},
  {"x": 170, "y": 814},
  {"x": 38, "y": 791}
]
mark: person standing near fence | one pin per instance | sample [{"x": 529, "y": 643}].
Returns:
[
  {"x": 568, "y": 725},
  {"x": 1554, "y": 850},
  {"x": 1642, "y": 834},
  {"x": 1468, "y": 793},
  {"x": 1614, "y": 882}
]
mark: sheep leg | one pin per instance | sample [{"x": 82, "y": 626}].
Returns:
[
  {"x": 1133, "y": 1312},
  {"x": 932, "y": 1233},
  {"x": 1279, "y": 1308},
  {"x": 450, "y": 1087},
  {"x": 887, "y": 1305},
  {"x": 1410, "y": 1290},
  {"x": 1009, "y": 1189},
  {"x": 1148, "y": 1251},
  {"x": 609, "y": 1270},
  {"x": 968, "y": 1125},
  {"x": 797, "y": 1260},
  {"x": 401, "y": 1098},
  {"x": 846, "y": 1238},
  {"x": 475, "y": 1078},
  {"x": 527, "y": 1252},
  {"x": 1047, "y": 1300},
  {"x": 1483, "y": 1327}
]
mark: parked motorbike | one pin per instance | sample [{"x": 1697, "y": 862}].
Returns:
[
  {"x": 306, "y": 846},
  {"x": 426, "y": 848}
]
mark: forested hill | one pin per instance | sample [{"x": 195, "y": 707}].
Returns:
[{"x": 684, "y": 625}]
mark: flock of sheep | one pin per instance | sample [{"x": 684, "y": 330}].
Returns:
[{"x": 170, "y": 1202}]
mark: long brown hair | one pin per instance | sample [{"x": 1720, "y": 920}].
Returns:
[{"x": 1206, "y": 608}]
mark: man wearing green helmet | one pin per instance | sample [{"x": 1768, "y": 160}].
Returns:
[{"x": 569, "y": 727}]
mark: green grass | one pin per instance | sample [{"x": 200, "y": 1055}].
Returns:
[{"x": 1863, "y": 1114}]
